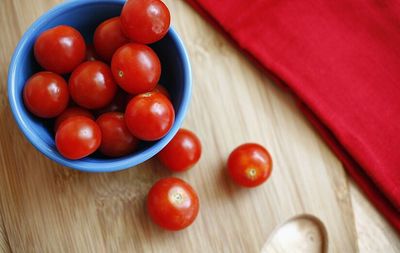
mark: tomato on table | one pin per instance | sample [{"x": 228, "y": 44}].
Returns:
[
  {"x": 108, "y": 37},
  {"x": 116, "y": 139},
  {"x": 149, "y": 116},
  {"x": 72, "y": 112},
  {"x": 92, "y": 85},
  {"x": 172, "y": 204},
  {"x": 46, "y": 94},
  {"x": 145, "y": 21},
  {"x": 60, "y": 49},
  {"x": 182, "y": 152},
  {"x": 249, "y": 165},
  {"x": 78, "y": 137},
  {"x": 136, "y": 68}
]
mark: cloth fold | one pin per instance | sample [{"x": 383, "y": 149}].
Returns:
[{"x": 341, "y": 59}]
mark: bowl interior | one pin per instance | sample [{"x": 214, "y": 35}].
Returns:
[{"x": 86, "y": 16}]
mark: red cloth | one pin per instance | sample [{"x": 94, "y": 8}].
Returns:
[{"x": 341, "y": 59}]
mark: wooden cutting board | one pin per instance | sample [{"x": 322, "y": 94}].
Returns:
[{"x": 48, "y": 208}]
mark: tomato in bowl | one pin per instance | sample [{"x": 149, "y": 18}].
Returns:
[{"x": 85, "y": 16}]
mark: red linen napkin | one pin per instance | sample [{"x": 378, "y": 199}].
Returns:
[{"x": 341, "y": 59}]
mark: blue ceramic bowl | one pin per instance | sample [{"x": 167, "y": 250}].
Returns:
[{"x": 85, "y": 16}]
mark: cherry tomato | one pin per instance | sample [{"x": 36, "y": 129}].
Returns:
[
  {"x": 78, "y": 137},
  {"x": 183, "y": 151},
  {"x": 108, "y": 37},
  {"x": 249, "y": 165},
  {"x": 116, "y": 139},
  {"x": 92, "y": 85},
  {"x": 172, "y": 204},
  {"x": 60, "y": 49},
  {"x": 136, "y": 68},
  {"x": 71, "y": 112},
  {"x": 145, "y": 21},
  {"x": 162, "y": 89},
  {"x": 91, "y": 53},
  {"x": 46, "y": 94},
  {"x": 118, "y": 104},
  {"x": 149, "y": 116}
]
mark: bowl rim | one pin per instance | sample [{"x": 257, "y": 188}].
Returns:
[{"x": 83, "y": 165}]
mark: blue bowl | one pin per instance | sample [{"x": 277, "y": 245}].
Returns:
[{"x": 86, "y": 16}]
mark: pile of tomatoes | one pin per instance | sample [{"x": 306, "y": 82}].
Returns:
[
  {"x": 113, "y": 100},
  {"x": 115, "y": 80}
]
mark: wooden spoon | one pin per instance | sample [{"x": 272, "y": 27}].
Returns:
[{"x": 300, "y": 234}]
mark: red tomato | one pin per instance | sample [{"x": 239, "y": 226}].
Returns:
[
  {"x": 162, "y": 89},
  {"x": 91, "y": 53},
  {"x": 108, "y": 37},
  {"x": 72, "y": 112},
  {"x": 172, "y": 204},
  {"x": 116, "y": 139},
  {"x": 46, "y": 94},
  {"x": 249, "y": 165},
  {"x": 78, "y": 137},
  {"x": 92, "y": 85},
  {"x": 60, "y": 49},
  {"x": 183, "y": 151},
  {"x": 145, "y": 21},
  {"x": 136, "y": 68},
  {"x": 149, "y": 116},
  {"x": 118, "y": 104}
]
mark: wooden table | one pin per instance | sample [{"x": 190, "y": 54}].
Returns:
[{"x": 47, "y": 208}]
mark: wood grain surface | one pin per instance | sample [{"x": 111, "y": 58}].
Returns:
[{"x": 48, "y": 208}]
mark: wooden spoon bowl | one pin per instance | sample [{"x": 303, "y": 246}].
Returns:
[{"x": 300, "y": 234}]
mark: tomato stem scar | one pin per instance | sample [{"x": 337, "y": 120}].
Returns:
[
  {"x": 121, "y": 73},
  {"x": 251, "y": 173}
]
